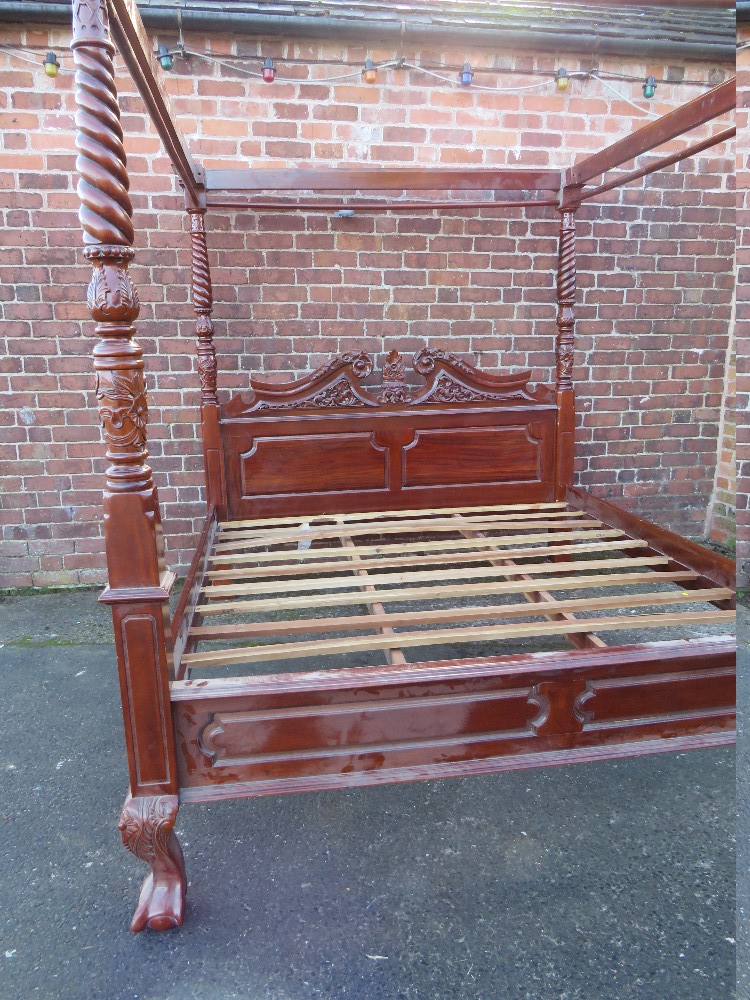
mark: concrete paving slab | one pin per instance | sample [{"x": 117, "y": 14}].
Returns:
[{"x": 611, "y": 881}]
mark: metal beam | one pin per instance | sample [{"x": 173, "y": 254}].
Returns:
[
  {"x": 709, "y": 105},
  {"x": 380, "y": 179},
  {"x": 135, "y": 48}
]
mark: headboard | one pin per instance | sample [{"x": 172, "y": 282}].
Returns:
[{"x": 327, "y": 444}]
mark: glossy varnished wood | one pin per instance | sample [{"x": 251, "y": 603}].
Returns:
[{"x": 331, "y": 446}]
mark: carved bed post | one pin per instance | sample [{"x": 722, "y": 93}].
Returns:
[
  {"x": 138, "y": 588},
  {"x": 213, "y": 457},
  {"x": 566, "y": 294}
]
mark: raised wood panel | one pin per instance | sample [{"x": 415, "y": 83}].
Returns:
[
  {"x": 473, "y": 455},
  {"x": 313, "y": 463},
  {"x": 412, "y": 721},
  {"x": 252, "y": 738}
]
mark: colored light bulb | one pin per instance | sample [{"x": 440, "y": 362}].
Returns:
[
  {"x": 51, "y": 65},
  {"x": 562, "y": 79},
  {"x": 269, "y": 70},
  {"x": 467, "y": 75},
  {"x": 369, "y": 73},
  {"x": 165, "y": 58},
  {"x": 649, "y": 87}
]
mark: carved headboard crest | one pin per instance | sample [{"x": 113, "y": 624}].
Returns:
[{"x": 447, "y": 379}]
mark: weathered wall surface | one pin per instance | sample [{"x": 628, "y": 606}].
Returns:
[{"x": 655, "y": 273}]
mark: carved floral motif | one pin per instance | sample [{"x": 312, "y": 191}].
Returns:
[
  {"x": 123, "y": 409},
  {"x": 394, "y": 369}
]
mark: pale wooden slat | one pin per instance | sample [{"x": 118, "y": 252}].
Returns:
[
  {"x": 241, "y": 539},
  {"x": 490, "y": 529},
  {"x": 581, "y": 640},
  {"x": 355, "y": 623},
  {"x": 387, "y": 579},
  {"x": 440, "y": 558},
  {"x": 441, "y": 592},
  {"x": 373, "y": 515},
  {"x": 292, "y": 556},
  {"x": 358, "y": 643}
]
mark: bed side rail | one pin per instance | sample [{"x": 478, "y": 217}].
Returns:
[
  {"x": 185, "y": 611},
  {"x": 715, "y": 570}
]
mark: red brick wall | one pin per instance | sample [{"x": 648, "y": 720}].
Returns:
[
  {"x": 654, "y": 276},
  {"x": 743, "y": 310}
]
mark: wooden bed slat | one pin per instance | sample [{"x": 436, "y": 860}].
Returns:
[
  {"x": 320, "y": 647},
  {"x": 510, "y": 522},
  {"x": 447, "y": 544},
  {"x": 582, "y": 640},
  {"x": 440, "y": 592},
  {"x": 471, "y": 573},
  {"x": 374, "y": 515},
  {"x": 354, "y": 623},
  {"x": 296, "y": 569}
]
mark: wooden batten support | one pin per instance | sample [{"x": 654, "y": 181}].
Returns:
[
  {"x": 139, "y": 585},
  {"x": 213, "y": 454},
  {"x": 566, "y": 294}
]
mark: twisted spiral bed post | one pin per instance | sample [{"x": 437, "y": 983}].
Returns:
[
  {"x": 139, "y": 586},
  {"x": 204, "y": 330},
  {"x": 564, "y": 346}
]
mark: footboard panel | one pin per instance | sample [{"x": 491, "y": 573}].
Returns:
[{"x": 345, "y": 728}]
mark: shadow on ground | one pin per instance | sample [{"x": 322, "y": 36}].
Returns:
[{"x": 610, "y": 881}]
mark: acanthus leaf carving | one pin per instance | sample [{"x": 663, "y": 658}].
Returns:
[{"x": 111, "y": 295}]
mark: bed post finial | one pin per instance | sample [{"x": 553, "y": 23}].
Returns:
[
  {"x": 566, "y": 294},
  {"x": 139, "y": 585},
  {"x": 204, "y": 329}
]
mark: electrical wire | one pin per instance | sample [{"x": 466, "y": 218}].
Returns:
[
  {"x": 24, "y": 58},
  {"x": 475, "y": 86},
  {"x": 644, "y": 111}
]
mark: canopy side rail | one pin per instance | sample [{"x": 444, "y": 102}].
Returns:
[
  {"x": 664, "y": 161},
  {"x": 131, "y": 39},
  {"x": 696, "y": 112},
  {"x": 324, "y": 205},
  {"x": 259, "y": 179}
]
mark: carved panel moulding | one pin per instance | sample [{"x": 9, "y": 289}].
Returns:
[{"x": 447, "y": 379}]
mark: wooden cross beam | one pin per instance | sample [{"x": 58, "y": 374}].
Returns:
[{"x": 134, "y": 46}]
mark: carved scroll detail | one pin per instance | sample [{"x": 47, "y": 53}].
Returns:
[
  {"x": 448, "y": 380},
  {"x": 147, "y": 829},
  {"x": 566, "y": 293},
  {"x": 334, "y": 384},
  {"x": 451, "y": 380}
]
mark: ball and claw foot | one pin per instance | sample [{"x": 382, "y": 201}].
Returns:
[{"x": 147, "y": 829}]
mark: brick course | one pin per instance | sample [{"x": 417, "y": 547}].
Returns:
[{"x": 655, "y": 278}]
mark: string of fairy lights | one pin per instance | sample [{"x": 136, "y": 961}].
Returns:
[{"x": 371, "y": 73}]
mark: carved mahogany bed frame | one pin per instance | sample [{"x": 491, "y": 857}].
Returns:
[{"x": 438, "y": 502}]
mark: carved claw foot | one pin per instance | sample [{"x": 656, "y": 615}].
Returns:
[{"x": 147, "y": 829}]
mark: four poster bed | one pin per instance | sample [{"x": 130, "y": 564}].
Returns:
[{"x": 402, "y": 540}]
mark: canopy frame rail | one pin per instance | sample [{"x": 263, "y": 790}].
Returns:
[{"x": 712, "y": 104}]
